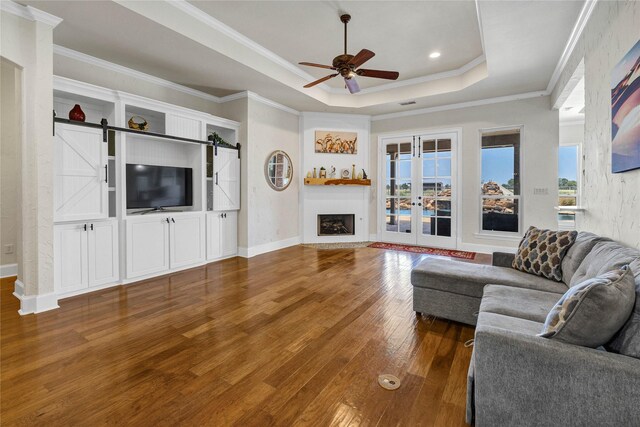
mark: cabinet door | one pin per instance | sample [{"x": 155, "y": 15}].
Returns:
[
  {"x": 183, "y": 126},
  {"x": 80, "y": 189},
  {"x": 147, "y": 245},
  {"x": 187, "y": 240},
  {"x": 214, "y": 241},
  {"x": 226, "y": 180},
  {"x": 103, "y": 253},
  {"x": 70, "y": 258},
  {"x": 229, "y": 233}
]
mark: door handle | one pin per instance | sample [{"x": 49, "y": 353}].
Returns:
[
  {"x": 167, "y": 220},
  {"x": 91, "y": 227},
  {"x": 216, "y": 178},
  {"x": 413, "y": 204},
  {"x": 106, "y": 173},
  {"x": 85, "y": 227},
  {"x": 173, "y": 220}
]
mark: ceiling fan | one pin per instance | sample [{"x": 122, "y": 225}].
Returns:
[{"x": 347, "y": 65}]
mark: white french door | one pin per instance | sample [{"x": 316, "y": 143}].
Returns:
[{"x": 418, "y": 195}]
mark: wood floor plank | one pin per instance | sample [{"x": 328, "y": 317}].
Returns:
[{"x": 292, "y": 337}]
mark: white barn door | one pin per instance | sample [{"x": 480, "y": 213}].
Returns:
[{"x": 226, "y": 180}]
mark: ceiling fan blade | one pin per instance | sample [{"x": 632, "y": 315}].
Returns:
[
  {"x": 320, "y": 80},
  {"x": 361, "y": 57},
  {"x": 379, "y": 74},
  {"x": 311, "y": 64},
  {"x": 352, "y": 85}
]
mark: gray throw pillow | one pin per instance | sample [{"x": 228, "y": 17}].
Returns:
[
  {"x": 627, "y": 340},
  {"x": 590, "y": 313},
  {"x": 541, "y": 252}
]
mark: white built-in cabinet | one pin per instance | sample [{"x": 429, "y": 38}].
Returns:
[
  {"x": 226, "y": 180},
  {"x": 80, "y": 189},
  {"x": 85, "y": 255},
  {"x": 157, "y": 243},
  {"x": 98, "y": 242},
  {"x": 222, "y": 239}
]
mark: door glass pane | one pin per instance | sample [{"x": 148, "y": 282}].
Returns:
[
  {"x": 444, "y": 167},
  {"x": 403, "y": 189},
  {"x": 392, "y": 171},
  {"x": 392, "y": 206},
  {"x": 443, "y": 226},
  {"x": 428, "y": 207},
  {"x": 392, "y": 223},
  {"x": 404, "y": 169},
  {"x": 405, "y": 224},
  {"x": 405, "y": 151},
  {"x": 392, "y": 152},
  {"x": 429, "y": 149},
  {"x": 443, "y": 207},
  {"x": 444, "y": 148},
  {"x": 500, "y": 214},
  {"x": 429, "y": 225},
  {"x": 391, "y": 187},
  {"x": 443, "y": 187},
  {"x": 428, "y": 168},
  {"x": 405, "y": 206}
]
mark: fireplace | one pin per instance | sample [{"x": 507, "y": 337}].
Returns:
[{"x": 336, "y": 225}]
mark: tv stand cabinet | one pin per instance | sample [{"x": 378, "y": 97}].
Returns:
[{"x": 98, "y": 243}]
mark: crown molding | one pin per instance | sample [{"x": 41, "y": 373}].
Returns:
[
  {"x": 576, "y": 32},
  {"x": 258, "y": 98},
  {"x": 572, "y": 122},
  {"x": 487, "y": 101},
  {"x": 30, "y": 13}
]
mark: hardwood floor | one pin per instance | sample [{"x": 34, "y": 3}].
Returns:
[{"x": 293, "y": 337}]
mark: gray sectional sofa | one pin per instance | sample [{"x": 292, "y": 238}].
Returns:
[{"x": 516, "y": 377}]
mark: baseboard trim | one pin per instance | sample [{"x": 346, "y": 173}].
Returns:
[
  {"x": 8, "y": 270},
  {"x": 33, "y": 304},
  {"x": 268, "y": 247}
]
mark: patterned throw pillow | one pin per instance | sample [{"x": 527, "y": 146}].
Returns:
[
  {"x": 592, "y": 312},
  {"x": 541, "y": 252}
]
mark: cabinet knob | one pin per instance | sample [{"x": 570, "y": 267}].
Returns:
[
  {"x": 85, "y": 227},
  {"x": 91, "y": 227},
  {"x": 173, "y": 220},
  {"x": 167, "y": 220}
]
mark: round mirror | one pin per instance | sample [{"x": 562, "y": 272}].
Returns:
[{"x": 278, "y": 170}]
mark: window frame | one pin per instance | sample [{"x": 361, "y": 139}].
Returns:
[
  {"x": 520, "y": 197},
  {"x": 576, "y": 208}
]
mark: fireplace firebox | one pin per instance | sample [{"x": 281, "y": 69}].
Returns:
[{"x": 336, "y": 225}]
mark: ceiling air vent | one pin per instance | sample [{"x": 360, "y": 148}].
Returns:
[{"x": 407, "y": 103}]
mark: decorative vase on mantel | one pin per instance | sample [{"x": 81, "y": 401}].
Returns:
[{"x": 77, "y": 114}]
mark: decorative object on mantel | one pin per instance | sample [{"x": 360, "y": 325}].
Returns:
[
  {"x": 142, "y": 124},
  {"x": 345, "y": 174},
  {"x": 359, "y": 175},
  {"x": 332, "y": 174},
  {"x": 323, "y": 172},
  {"x": 315, "y": 173},
  {"x": 625, "y": 112},
  {"x": 329, "y": 181},
  {"x": 336, "y": 142},
  {"x": 77, "y": 114},
  {"x": 353, "y": 171},
  {"x": 364, "y": 174},
  {"x": 309, "y": 174}
]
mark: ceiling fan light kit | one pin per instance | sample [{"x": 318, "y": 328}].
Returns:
[{"x": 347, "y": 65}]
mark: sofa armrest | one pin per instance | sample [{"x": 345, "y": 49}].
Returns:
[
  {"x": 503, "y": 259},
  {"x": 528, "y": 380}
]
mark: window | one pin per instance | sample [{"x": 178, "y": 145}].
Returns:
[
  {"x": 568, "y": 158},
  {"x": 500, "y": 180}
]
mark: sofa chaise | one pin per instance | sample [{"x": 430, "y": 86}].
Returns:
[{"x": 515, "y": 376}]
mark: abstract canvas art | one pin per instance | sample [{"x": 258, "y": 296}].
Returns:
[
  {"x": 336, "y": 142},
  {"x": 625, "y": 112}
]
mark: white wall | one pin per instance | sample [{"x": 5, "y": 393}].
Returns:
[
  {"x": 539, "y": 169},
  {"x": 571, "y": 134},
  {"x": 29, "y": 44},
  {"x": 10, "y": 141},
  {"x": 612, "y": 200}
]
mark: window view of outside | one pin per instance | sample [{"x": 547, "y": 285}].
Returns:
[
  {"x": 500, "y": 180},
  {"x": 567, "y": 183}
]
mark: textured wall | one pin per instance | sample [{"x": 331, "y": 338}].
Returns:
[
  {"x": 10, "y": 138},
  {"x": 612, "y": 200}
]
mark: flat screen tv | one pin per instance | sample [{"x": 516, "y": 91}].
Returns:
[{"x": 158, "y": 186}]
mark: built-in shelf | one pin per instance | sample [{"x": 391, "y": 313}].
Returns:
[
  {"x": 570, "y": 208},
  {"x": 330, "y": 181}
]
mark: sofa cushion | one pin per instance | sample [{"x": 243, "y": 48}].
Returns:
[
  {"x": 577, "y": 252},
  {"x": 526, "y": 304},
  {"x": 606, "y": 256},
  {"x": 466, "y": 278},
  {"x": 514, "y": 324},
  {"x": 541, "y": 252},
  {"x": 591, "y": 313},
  {"x": 627, "y": 340}
]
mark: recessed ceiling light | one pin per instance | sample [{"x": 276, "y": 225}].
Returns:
[{"x": 434, "y": 55}]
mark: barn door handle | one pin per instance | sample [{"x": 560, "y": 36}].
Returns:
[
  {"x": 106, "y": 173},
  {"x": 216, "y": 178}
]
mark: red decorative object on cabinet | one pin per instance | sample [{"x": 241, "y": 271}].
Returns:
[{"x": 77, "y": 114}]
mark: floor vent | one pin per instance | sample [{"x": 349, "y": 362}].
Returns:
[{"x": 389, "y": 382}]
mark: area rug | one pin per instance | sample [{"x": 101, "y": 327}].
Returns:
[{"x": 424, "y": 250}]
